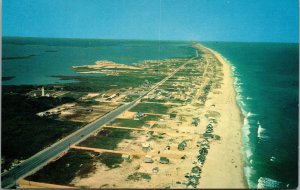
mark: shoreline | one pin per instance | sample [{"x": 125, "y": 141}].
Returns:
[{"x": 227, "y": 176}]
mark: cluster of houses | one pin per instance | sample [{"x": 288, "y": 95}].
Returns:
[
  {"x": 110, "y": 97},
  {"x": 194, "y": 176},
  {"x": 138, "y": 116},
  {"x": 53, "y": 91},
  {"x": 65, "y": 109},
  {"x": 208, "y": 131}
]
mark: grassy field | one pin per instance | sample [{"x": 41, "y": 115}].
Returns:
[
  {"x": 130, "y": 98},
  {"x": 107, "y": 139},
  {"x": 102, "y": 83},
  {"x": 122, "y": 122},
  {"x": 111, "y": 160},
  {"x": 151, "y": 108},
  {"x": 79, "y": 163},
  {"x": 65, "y": 169}
]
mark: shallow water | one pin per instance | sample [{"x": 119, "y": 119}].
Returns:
[{"x": 33, "y": 60}]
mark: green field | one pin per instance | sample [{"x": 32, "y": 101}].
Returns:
[
  {"x": 74, "y": 163},
  {"x": 65, "y": 169},
  {"x": 121, "y": 122},
  {"x": 151, "y": 108},
  {"x": 107, "y": 139}
]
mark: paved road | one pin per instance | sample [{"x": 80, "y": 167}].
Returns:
[{"x": 43, "y": 157}]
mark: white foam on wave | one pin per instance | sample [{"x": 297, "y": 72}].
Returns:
[
  {"x": 248, "y": 171},
  {"x": 247, "y": 150},
  {"x": 268, "y": 183},
  {"x": 249, "y": 114},
  {"x": 261, "y": 132},
  {"x": 249, "y": 98},
  {"x": 243, "y": 103},
  {"x": 248, "y": 153},
  {"x": 273, "y": 159}
]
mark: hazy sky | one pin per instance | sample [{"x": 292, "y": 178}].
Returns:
[{"x": 204, "y": 20}]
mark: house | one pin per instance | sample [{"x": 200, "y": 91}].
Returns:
[
  {"x": 196, "y": 170},
  {"x": 155, "y": 170},
  {"x": 207, "y": 135},
  {"x": 164, "y": 160},
  {"x": 172, "y": 115},
  {"x": 146, "y": 147},
  {"x": 203, "y": 151},
  {"x": 138, "y": 115},
  {"x": 148, "y": 159},
  {"x": 195, "y": 121},
  {"x": 182, "y": 145},
  {"x": 125, "y": 157}
]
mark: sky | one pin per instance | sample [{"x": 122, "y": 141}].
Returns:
[{"x": 203, "y": 20}]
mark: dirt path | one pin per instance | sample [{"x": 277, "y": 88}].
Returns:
[
  {"x": 168, "y": 132},
  {"x": 199, "y": 90},
  {"x": 175, "y": 155},
  {"x": 31, "y": 184}
]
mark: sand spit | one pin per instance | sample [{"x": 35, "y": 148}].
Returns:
[{"x": 104, "y": 64}]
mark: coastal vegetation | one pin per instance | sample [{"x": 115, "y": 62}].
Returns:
[
  {"x": 154, "y": 108},
  {"x": 107, "y": 138},
  {"x": 23, "y": 132},
  {"x": 65, "y": 169},
  {"x": 102, "y": 83}
]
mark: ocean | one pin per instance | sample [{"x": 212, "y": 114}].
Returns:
[
  {"x": 267, "y": 85},
  {"x": 266, "y": 80},
  {"x": 34, "y": 60}
]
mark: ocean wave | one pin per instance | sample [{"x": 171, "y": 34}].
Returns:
[
  {"x": 242, "y": 100},
  {"x": 249, "y": 153},
  {"x": 273, "y": 159},
  {"x": 268, "y": 183},
  {"x": 261, "y": 132},
  {"x": 248, "y": 171}
]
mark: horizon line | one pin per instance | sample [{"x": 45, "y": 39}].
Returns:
[{"x": 138, "y": 39}]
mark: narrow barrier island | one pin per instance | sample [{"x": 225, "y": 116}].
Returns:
[{"x": 186, "y": 131}]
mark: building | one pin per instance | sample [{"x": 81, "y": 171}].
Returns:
[
  {"x": 125, "y": 157},
  {"x": 155, "y": 170},
  {"x": 195, "y": 121},
  {"x": 182, "y": 145},
  {"x": 208, "y": 135},
  {"x": 138, "y": 116},
  {"x": 172, "y": 115},
  {"x": 164, "y": 160},
  {"x": 203, "y": 151},
  {"x": 43, "y": 91},
  {"x": 196, "y": 170},
  {"x": 146, "y": 147},
  {"x": 148, "y": 159}
]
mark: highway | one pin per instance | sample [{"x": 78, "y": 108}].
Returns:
[{"x": 43, "y": 157}]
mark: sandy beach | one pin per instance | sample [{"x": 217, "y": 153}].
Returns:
[{"x": 224, "y": 164}]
